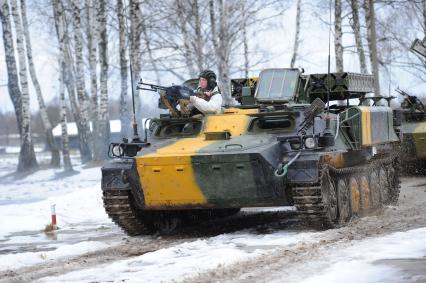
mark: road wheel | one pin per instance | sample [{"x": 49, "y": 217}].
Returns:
[
  {"x": 343, "y": 201},
  {"x": 375, "y": 189}
]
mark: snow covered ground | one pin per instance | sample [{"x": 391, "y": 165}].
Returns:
[
  {"x": 374, "y": 260},
  {"x": 25, "y": 210},
  {"x": 360, "y": 262},
  {"x": 186, "y": 260},
  {"x": 85, "y": 228}
]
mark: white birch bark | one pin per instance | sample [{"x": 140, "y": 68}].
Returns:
[
  {"x": 372, "y": 42},
  {"x": 63, "y": 114},
  {"x": 103, "y": 138},
  {"x": 27, "y": 159},
  {"x": 338, "y": 46},
  {"x": 296, "y": 34},
  {"x": 357, "y": 34},
  {"x": 187, "y": 52},
  {"x": 92, "y": 39},
  {"x": 135, "y": 52},
  {"x": 147, "y": 41},
  {"x": 198, "y": 36},
  {"x": 55, "y": 158},
  {"x": 69, "y": 80},
  {"x": 80, "y": 82},
  {"x": 11, "y": 65},
  {"x": 125, "y": 118}
]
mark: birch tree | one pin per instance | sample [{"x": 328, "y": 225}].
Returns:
[
  {"x": 55, "y": 159},
  {"x": 62, "y": 32},
  {"x": 296, "y": 34},
  {"x": 370, "y": 20},
  {"x": 103, "y": 138},
  {"x": 122, "y": 35},
  {"x": 338, "y": 46},
  {"x": 63, "y": 113},
  {"x": 80, "y": 82},
  {"x": 92, "y": 40},
  {"x": 27, "y": 158},
  {"x": 12, "y": 69},
  {"x": 356, "y": 27},
  {"x": 135, "y": 51},
  {"x": 220, "y": 36}
]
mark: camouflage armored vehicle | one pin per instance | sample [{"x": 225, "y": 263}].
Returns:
[
  {"x": 413, "y": 132},
  {"x": 283, "y": 147}
]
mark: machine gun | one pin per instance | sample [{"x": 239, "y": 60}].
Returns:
[
  {"x": 411, "y": 101},
  {"x": 170, "y": 97}
]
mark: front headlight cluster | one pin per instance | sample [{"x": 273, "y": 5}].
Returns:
[
  {"x": 117, "y": 150},
  {"x": 310, "y": 142}
]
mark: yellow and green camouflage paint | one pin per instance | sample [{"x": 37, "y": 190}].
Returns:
[
  {"x": 414, "y": 139},
  {"x": 196, "y": 172},
  {"x": 174, "y": 176}
]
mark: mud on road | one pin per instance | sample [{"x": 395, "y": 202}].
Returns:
[{"x": 287, "y": 261}]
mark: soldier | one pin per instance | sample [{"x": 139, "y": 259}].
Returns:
[
  {"x": 207, "y": 98},
  {"x": 413, "y": 103}
]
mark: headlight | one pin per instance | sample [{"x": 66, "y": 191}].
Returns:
[
  {"x": 117, "y": 150},
  {"x": 309, "y": 142}
]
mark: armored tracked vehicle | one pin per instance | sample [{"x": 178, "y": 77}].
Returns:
[
  {"x": 413, "y": 132},
  {"x": 283, "y": 147},
  {"x": 413, "y": 126}
]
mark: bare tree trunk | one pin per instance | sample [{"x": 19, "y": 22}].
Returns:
[
  {"x": 338, "y": 46},
  {"x": 135, "y": 52},
  {"x": 92, "y": 39},
  {"x": 181, "y": 14},
  {"x": 296, "y": 34},
  {"x": 69, "y": 80},
  {"x": 12, "y": 69},
  {"x": 423, "y": 7},
  {"x": 198, "y": 36},
  {"x": 221, "y": 45},
  {"x": 27, "y": 158},
  {"x": 63, "y": 114},
  {"x": 372, "y": 42},
  {"x": 357, "y": 33},
  {"x": 80, "y": 83},
  {"x": 224, "y": 46},
  {"x": 245, "y": 46},
  {"x": 147, "y": 40},
  {"x": 55, "y": 159},
  {"x": 124, "y": 112},
  {"x": 103, "y": 138}
]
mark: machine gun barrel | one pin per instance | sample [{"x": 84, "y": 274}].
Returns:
[
  {"x": 150, "y": 87},
  {"x": 401, "y": 92}
]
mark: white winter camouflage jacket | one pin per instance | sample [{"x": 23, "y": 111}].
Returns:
[{"x": 213, "y": 106}]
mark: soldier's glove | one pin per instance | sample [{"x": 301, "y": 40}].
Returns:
[{"x": 179, "y": 92}]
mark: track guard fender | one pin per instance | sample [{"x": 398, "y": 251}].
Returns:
[{"x": 122, "y": 175}]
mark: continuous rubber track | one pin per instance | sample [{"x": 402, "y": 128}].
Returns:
[
  {"x": 119, "y": 207},
  {"x": 316, "y": 210},
  {"x": 317, "y": 204}
]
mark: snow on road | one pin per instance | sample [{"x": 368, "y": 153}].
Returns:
[
  {"x": 188, "y": 259},
  {"x": 84, "y": 228},
  {"x": 25, "y": 211},
  {"x": 365, "y": 261}
]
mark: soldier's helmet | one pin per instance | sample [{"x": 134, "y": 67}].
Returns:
[{"x": 210, "y": 76}]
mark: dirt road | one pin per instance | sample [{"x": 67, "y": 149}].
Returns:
[{"x": 290, "y": 261}]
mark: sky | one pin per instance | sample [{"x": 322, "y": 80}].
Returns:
[{"x": 276, "y": 40}]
